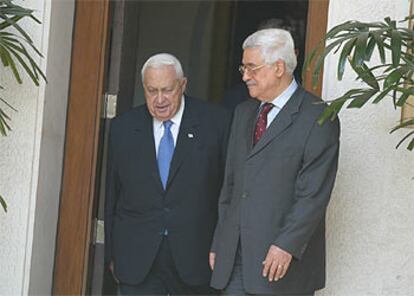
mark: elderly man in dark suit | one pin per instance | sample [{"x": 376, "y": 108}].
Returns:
[
  {"x": 280, "y": 170},
  {"x": 165, "y": 170}
]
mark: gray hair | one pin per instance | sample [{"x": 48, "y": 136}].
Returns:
[
  {"x": 274, "y": 44},
  {"x": 160, "y": 60}
]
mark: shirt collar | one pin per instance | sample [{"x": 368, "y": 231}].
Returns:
[
  {"x": 176, "y": 119},
  {"x": 284, "y": 97}
]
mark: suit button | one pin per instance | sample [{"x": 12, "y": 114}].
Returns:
[{"x": 244, "y": 195}]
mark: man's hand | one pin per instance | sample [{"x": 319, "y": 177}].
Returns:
[
  {"x": 276, "y": 263},
  {"x": 212, "y": 259},
  {"x": 111, "y": 268}
]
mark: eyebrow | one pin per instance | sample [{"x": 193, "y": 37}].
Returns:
[{"x": 250, "y": 64}]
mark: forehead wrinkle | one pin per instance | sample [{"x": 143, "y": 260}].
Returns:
[
  {"x": 160, "y": 83},
  {"x": 252, "y": 55},
  {"x": 165, "y": 74}
]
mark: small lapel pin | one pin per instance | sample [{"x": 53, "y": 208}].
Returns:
[{"x": 190, "y": 135}]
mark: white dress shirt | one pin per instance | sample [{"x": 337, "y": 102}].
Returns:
[
  {"x": 158, "y": 126},
  {"x": 280, "y": 101}
]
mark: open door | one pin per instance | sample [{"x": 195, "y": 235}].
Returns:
[{"x": 111, "y": 42}]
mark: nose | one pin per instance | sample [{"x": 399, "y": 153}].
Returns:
[
  {"x": 159, "y": 97},
  {"x": 246, "y": 76}
]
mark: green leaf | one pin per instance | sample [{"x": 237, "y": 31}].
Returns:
[
  {"x": 3, "y": 203},
  {"x": 334, "y": 106},
  {"x": 366, "y": 75},
  {"x": 348, "y": 95},
  {"x": 370, "y": 48},
  {"x": 331, "y": 111},
  {"x": 5, "y": 24},
  {"x": 12, "y": 38},
  {"x": 8, "y": 105},
  {"x": 408, "y": 59},
  {"x": 362, "y": 99},
  {"x": 308, "y": 60},
  {"x": 392, "y": 78},
  {"x": 406, "y": 33},
  {"x": 18, "y": 28},
  {"x": 401, "y": 101},
  {"x": 4, "y": 60},
  {"x": 34, "y": 65},
  {"x": 407, "y": 18},
  {"x": 388, "y": 20},
  {"x": 382, "y": 94},
  {"x": 403, "y": 124},
  {"x": 319, "y": 63},
  {"x": 406, "y": 93},
  {"x": 346, "y": 51},
  {"x": 29, "y": 71},
  {"x": 325, "y": 52},
  {"x": 380, "y": 45},
  {"x": 6, "y": 55},
  {"x": 410, "y": 145},
  {"x": 4, "y": 127},
  {"x": 19, "y": 51},
  {"x": 394, "y": 97},
  {"x": 346, "y": 26},
  {"x": 360, "y": 49},
  {"x": 396, "y": 47},
  {"x": 379, "y": 67}
]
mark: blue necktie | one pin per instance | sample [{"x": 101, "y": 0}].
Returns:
[{"x": 165, "y": 152}]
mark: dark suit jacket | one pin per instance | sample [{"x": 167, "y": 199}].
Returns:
[
  {"x": 137, "y": 209},
  {"x": 277, "y": 193},
  {"x": 234, "y": 96}
]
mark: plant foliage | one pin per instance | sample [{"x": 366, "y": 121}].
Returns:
[
  {"x": 391, "y": 78},
  {"x": 16, "y": 51},
  {"x": 16, "y": 47}
]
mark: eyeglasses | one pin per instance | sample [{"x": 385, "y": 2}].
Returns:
[{"x": 250, "y": 70}]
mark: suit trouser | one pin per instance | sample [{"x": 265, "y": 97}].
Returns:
[
  {"x": 235, "y": 285},
  {"x": 163, "y": 278}
]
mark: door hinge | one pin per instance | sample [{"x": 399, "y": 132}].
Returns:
[
  {"x": 109, "y": 106},
  {"x": 98, "y": 232}
]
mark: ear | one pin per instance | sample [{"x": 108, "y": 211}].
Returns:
[
  {"x": 280, "y": 68},
  {"x": 184, "y": 84}
]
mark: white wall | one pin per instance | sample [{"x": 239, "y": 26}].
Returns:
[
  {"x": 371, "y": 216},
  {"x": 31, "y": 156}
]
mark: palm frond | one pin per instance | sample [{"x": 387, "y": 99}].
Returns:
[
  {"x": 14, "y": 53},
  {"x": 355, "y": 43}
]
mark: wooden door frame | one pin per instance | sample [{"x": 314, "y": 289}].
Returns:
[
  {"x": 317, "y": 20},
  {"x": 81, "y": 146},
  {"x": 90, "y": 43}
]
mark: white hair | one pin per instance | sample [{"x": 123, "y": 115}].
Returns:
[
  {"x": 160, "y": 60},
  {"x": 274, "y": 44}
]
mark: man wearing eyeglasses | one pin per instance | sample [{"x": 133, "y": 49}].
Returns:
[
  {"x": 165, "y": 170},
  {"x": 280, "y": 171},
  {"x": 239, "y": 93}
]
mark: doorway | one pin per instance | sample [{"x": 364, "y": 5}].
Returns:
[{"x": 206, "y": 36}]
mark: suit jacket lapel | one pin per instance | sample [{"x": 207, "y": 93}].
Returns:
[
  {"x": 282, "y": 121},
  {"x": 144, "y": 131},
  {"x": 252, "y": 113},
  {"x": 187, "y": 137}
]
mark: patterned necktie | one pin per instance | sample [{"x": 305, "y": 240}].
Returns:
[
  {"x": 261, "y": 122},
  {"x": 165, "y": 152}
]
